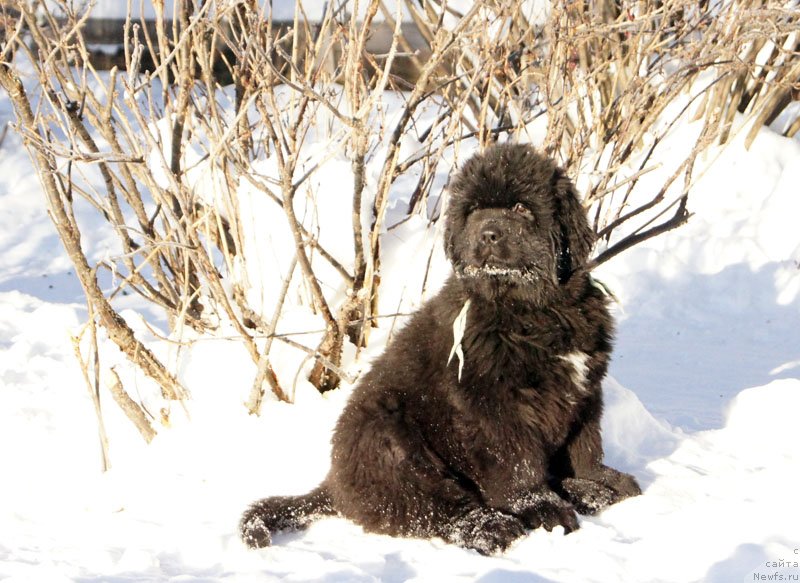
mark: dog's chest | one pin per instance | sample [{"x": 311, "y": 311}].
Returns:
[
  {"x": 529, "y": 388},
  {"x": 531, "y": 370}
]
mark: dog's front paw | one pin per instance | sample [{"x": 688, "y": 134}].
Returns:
[
  {"x": 625, "y": 485},
  {"x": 592, "y": 494},
  {"x": 487, "y": 531},
  {"x": 588, "y": 496},
  {"x": 545, "y": 509}
]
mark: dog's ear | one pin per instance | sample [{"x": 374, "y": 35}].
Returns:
[{"x": 576, "y": 236}]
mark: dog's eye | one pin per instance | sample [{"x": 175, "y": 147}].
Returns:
[{"x": 521, "y": 209}]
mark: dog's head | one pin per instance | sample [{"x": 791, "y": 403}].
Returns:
[{"x": 515, "y": 224}]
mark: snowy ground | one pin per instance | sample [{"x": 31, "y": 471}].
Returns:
[{"x": 703, "y": 408}]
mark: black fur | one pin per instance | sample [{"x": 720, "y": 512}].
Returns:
[{"x": 511, "y": 442}]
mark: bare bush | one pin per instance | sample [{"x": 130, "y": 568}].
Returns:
[{"x": 177, "y": 164}]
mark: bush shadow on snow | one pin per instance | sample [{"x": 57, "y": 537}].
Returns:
[
  {"x": 390, "y": 568},
  {"x": 689, "y": 344},
  {"x": 745, "y": 560},
  {"x": 509, "y": 576}
]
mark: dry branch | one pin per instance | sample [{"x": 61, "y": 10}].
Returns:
[
  {"x": 59, "y": 204},
  {"x": 92, "y": 381},
  {"x": 131, "y": 408}
]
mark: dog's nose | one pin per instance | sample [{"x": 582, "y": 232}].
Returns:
[{"x": 490, "y": 235}]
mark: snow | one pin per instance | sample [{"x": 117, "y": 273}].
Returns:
[{"x": 701, "y": 406}]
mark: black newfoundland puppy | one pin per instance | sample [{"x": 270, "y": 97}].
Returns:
[{"x": 482, "y": 417}]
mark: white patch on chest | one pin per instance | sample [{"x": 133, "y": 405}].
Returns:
[{"x": 579, "y": 361}]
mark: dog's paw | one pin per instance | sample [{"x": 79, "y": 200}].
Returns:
[
  {"x": 487, "y": 531},
  {"x": 592, "y": 494},
  {"x": 545, "y": 509},
  {"x": 253, "y": 530},
  {"x": 588, "y": 496},
  {"x": 625, "y": 485}
]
